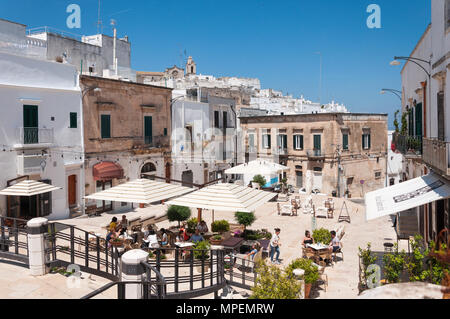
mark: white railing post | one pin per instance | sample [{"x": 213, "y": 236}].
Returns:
[
  {"x": 37, "y": 228},
  {"x": 132, "y": 270}
]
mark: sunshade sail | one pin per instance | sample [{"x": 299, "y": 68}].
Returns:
[
  {"x": 406, "y": 195},
  {"x": 142, "y": 191},
  {"x": 225, "y": 197},
  {"x": 28, "y": 188},
  {"x": 258, "y": 167}
]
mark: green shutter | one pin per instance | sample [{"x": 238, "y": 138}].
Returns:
[
  {"x": 106, "y": 126},
  {"x": 419, "y": 119},
  {"x": 294, "y": 143},
  {"x": 369, "y": 141},
  {"x": 148, "y": 129},
  {"x": 165, "y": 131},
  {"x": 345, "y": 141},
  {"x": 301, "y": 141},
  {"x": 30, "y": 124},
  {"x": 73, "y": 120},
  {"x": 317, "y": 142}
]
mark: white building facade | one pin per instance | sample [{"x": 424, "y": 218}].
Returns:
[{"x": 41, "y": 135}]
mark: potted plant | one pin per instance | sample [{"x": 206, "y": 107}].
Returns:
[
  {"x": 201, "y": 253},
  {"x": 216, "y": 240},
  {"x": 258, "y": 180},
  {"x": 191, "y": 225},
  {"x": 220, "y": 226},
  {"x": 178, "y": 214},
  {"x": 322, "y": 236},
  {"x": 116, "y": 242},
  {"x": 245, "y": 219},
  {"x": 311, "y": 272}
]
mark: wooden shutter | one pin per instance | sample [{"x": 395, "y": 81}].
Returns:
[
  {"x": 106, "y": 126},
  {"x": 73, "y": 120}
]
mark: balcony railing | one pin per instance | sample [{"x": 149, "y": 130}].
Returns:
[
  {"x": 436, "y": 154},
  {"x": 250, "y": 149},
  {"x": 157, "y": 141},
  {"x": 34, "y": 135},
  {"x": 408, "y": 145},
  {"x": 315, "y": 153},
  {"x": 281, "y": 151}
]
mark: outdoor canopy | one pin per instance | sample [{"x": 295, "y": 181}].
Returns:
[
  {"x": 28, "y": 188},
  {"x": 224, "y": 197},
  {"x": 261, "y": 167},
  {"x": 406, "y": 195},
  {"x": 141, "y": 191}
]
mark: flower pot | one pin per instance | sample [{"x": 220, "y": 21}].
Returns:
[
  {"x": 116, "y": 243},
  {"x": 216, "y": 242},
  {"x": 141, "y": 205},
  {"x": 307, "y": 290}
]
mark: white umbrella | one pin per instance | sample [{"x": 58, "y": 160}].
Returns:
[
  {"x": 141, "y": 191},
  {"x": 255, "y": 167},
  {"x": 28, "y": 188},
  {"x": 224, "y": 197}
]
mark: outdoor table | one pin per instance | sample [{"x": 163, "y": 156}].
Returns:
[
  {"x": 320, "y": 251},
  {"x": 232, "y": 243},
  {"x": 317, "y": 246},
  {"x": 184, "y": 244}
]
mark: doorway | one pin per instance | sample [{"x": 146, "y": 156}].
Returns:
[
  {"x": 72, "y": 190},
  {"x": 30, "y": 124},
  {"x": 187, "y": 178}
]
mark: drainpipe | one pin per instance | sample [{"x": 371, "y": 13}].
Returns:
[{"x": 424, "y": 89}]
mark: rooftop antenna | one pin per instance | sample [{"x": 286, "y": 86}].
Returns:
[
  {"x": 99, "y": 21},
  {"x": 113, "y": 23}
]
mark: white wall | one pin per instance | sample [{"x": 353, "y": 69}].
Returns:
[{"x": 53, "y": 87}]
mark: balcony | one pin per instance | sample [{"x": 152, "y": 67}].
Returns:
[
  {"x": 315, "y": 154},
  {"x": 157, "y": 141},
  {"x": 436, "y": 155},
  {"x": 250, "y": 149},
  {"x": 281, "y": 151},
  {"x": 33, "y": 136},
  {"x": 410, "y": 146}
]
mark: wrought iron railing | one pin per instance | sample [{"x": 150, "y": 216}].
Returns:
[
  {"x": 408, "y": 145},
  {"x": 315, "y": 153},
  {"x": 13, "y": 239},
  {"x": 436, "y": 154},
  {"x": 34, "y": 135}
]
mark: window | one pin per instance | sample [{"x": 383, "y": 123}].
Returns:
[
  {"x": 317, "y": 142},
  {"x": 345, "y": 141},
  {"x": 366, "y": 141},
  {"x": 73, "y": 120},
  {"x": 377, "y": 175},
  {"x": 298, "y": 142},
  {"x": 216, "y": 119},
  {"x": 282, "y": 141},
  {"x": 165, "y": 131},
  {"x": 266, "y": 141},
  {"x": 105, "y": 125}
]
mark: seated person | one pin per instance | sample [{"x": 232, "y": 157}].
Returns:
[
  {"x": 113, "y": 224},
  {"x": 335, "y": 243},
  {"x": 180, "y": 237},
  {"x": 196, "y": 237},
  {"x": 307, "y": 239},
  {"x": 123, "y": 225},
  {"x": 164, "y": 238},
  {"x": 253, "y": 252},
  {"x": 202, "y": 227},
  {"x": 151, "y": 240}
]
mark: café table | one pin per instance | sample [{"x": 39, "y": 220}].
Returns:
[{"x": 320, "y": 251}]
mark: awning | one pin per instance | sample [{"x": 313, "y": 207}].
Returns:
[
  {"x": 28, "y": 188},
  {"x": 261, "y": 167},
  {"x": 225, "y": 197},
  {"x": 406, "y": 195},
  {"x": 141, "y": 191},
  {"x": 105, "y": 171}
]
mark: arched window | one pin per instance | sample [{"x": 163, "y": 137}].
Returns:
[{"x": 148, "y": 168}]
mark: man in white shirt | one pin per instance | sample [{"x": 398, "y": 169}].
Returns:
[{"x": 275, "y": 247}]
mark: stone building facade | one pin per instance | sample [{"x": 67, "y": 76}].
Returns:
[
  {"x": 328, "y": 152},
  {"x": 127, "y": 128}
]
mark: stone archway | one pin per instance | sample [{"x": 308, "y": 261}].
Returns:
[{"x": 149, "y": 169}]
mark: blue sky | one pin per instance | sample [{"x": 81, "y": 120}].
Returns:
[{"x": 275, "y": 41}]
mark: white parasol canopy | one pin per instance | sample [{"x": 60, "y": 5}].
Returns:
[
  {"x": 141, "y": 191},
  {"x": 259, "y": 166},
  {"x": 225, "y": 197},
  {"x": 28, "y": 188}
]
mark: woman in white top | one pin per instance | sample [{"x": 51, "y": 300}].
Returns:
[
  {"x": 152, "y": 239},
  {"x": 275, "y": 247}
]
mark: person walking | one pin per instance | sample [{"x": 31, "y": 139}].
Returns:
[{"x": 275, "y": 247}]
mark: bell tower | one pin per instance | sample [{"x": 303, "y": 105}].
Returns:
[{"x": 191, "y": 67}]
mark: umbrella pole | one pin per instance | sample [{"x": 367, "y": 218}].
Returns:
[
  {"x": 213, "y": 215},
  {"x": 199, "y": 214}
]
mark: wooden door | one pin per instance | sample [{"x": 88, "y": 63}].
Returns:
[{"x": 72, "y": 190}]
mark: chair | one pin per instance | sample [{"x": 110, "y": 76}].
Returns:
[
  {"x": 339, "y": 251},
  {"x": 308, "y": 253},
  {"x": 322, "y": 276},
  {"x": 329, "y": 205}
]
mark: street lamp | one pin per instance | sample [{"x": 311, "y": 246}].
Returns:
[
  {"x": 396, "y": 92},
  {"x": 418, "y": 62}
]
